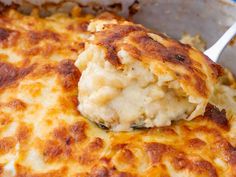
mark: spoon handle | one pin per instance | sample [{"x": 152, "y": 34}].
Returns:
[{"x": 215, "y": 51}]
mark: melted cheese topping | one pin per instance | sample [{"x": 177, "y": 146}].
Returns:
[
  {"x": 134, "y": 78},
  {"x": 43, "y": 134}
]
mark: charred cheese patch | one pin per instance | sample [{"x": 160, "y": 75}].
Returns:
[
  {"x": 134, "y": 78},
  {"x": 43, "y": 134}
]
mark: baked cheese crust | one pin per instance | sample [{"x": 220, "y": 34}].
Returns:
[
  {"x": 43, "y": 134},
  {"x": 195, "y": 71},
  {"x": 132, "y": 77}
]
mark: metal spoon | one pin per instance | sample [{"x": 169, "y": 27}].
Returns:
[{"x": 214, "y": 51}]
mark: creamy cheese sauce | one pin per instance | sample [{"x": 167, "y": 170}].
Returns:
[{"x": 130, "y": 97}]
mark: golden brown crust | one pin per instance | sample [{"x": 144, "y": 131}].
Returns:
[
  {"x": 39, "y": 118},
  {"x": 196, "y": 143},
  {"x": 10, "y": 74},
  {"x": 176, "y": 56},
  {"x": 4, "y": 34},
  {"x": 36, "y": 36},
  {"x": 110, "y": 38},
  {"x": 69, "y": 73},
  {"x": 17, "y": 104},
  {"x": 1, "y": 169},
  {"x": 217, "y": 116},
  {"x": 6, "y": 144},
  {"x": 23, "y": 132}
]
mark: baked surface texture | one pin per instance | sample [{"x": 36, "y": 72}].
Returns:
[
  {"x": 133, "y": 77},
  {"x": 43, "y": 135}
]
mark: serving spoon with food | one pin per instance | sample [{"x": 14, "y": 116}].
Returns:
[
  {"x": 133, "y": 78},
  {"x": 215, "y": 51}
]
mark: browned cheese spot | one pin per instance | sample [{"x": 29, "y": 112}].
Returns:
[
  {"x": 74, "y": 101},
  {"x": 23, "y": 132},
  {"x": 4, "y": 119},
  {"x": 219, "y": 117},
  {"x": 69, "y": 74},
  {"x": 100, "y": 172},
  {"x": 229, "y": 151},
  {"x": 180, "y": 162},
  {"x": 4, "y": 34},
  {"x": 1, "y": 169},
  {"x": 36, "y": 36},
  {"x": 156, "y": 151},
  {"x": 127, "y": 156},
  {"x": 17, "y": 105},
  {"x": 6, "y": 144},
  {"x": 9, "y": 74},
  {"x": 196, "y": 143},
  {"x": 117, "y": 147},
  {"x": 232, "y": 155},
  {"x": 109, "y": 38},
  {"x": 105, "y": 160},
  {"x": 203, "y": 166},
  {"x": 96, "y": 144},
  {"x": 62, "y": 134},
  {"x": 78, "y": 131},
  {"x": 52, "y": 150},
  {"x": 200, "y": 167},
  {"x": 8, "y": 37}
]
